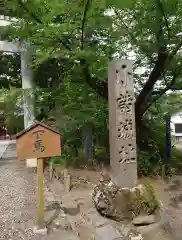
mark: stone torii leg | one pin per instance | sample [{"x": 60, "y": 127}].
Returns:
[{"x": 27, "y": 86}]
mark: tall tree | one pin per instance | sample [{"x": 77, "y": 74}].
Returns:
[{"x": 87, "y": 34}]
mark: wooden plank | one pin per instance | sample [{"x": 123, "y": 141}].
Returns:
[
  {"x": 35, "y": 143},
  {"x": 40, "y": 193}
]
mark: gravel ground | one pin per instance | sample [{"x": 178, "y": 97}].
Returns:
[{"x": 17, "y": 201}]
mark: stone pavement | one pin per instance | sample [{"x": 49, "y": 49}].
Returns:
[
  {"x": 7, "y": 149},
  {"x": 3, "y": 146}
]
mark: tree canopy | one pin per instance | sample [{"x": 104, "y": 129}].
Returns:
[{"x": 84, "y": 35}]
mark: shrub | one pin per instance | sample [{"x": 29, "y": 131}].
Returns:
[{"x": 58, "y": 160}]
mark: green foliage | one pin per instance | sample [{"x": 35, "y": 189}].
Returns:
[
  {"x": 11, "y": 104},
  {"x": 73, "y": 41},
  {"x": 58, "y": 160},
  {"x": 10, "y": 70},
  {"x": 150, "y": 160}
]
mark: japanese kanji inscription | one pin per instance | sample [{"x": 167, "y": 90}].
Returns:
[{"x": 38, "y": 141}]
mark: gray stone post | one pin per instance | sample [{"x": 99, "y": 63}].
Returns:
[
  {"x": 27, "y": 85},
  {"x": 28, "y": 96},
  {"x": 122, "y": 123}
]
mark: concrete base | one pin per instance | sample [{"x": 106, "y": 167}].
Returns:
[
  {"x": 42, "y": 231},
  {"x": 31, "y": 162}
]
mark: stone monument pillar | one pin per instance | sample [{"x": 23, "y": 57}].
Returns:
[{"x": 122, "y": 124}]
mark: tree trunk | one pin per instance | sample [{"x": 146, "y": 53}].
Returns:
[{"x": 87, "y": 138}]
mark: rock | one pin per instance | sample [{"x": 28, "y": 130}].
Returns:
[
  {"x": 49, "y": 215},
  {"x": 85, "y": 233},
  {"x": 95, "y": 219},
  {"x": 42, "y": 231},
  {"x": 72, "y": 208},
  {"x": 105, "y": 176},
  {"x": 144, "y": 220},
  {"x": 107, "y": 232},
  {"x": 155, "y": 227},
  {"x": 139, "y": 237},
  {"x": 60, "y": 234},
  {"x": 156, "y": 231},
  {"x": 62, "y": 223},
  {"x": 127, "y": 230},
  {"x": 124, "y": 203}
]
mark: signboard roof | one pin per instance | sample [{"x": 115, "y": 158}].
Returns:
[{"x": 36, "y": 123}]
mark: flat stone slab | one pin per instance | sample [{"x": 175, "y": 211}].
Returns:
[
  {"x": 144, "y": 220},
  {"x": 108, "y": 232},
  {"x": 62, "y": 235},
  {"x": 96, "y": 220},
  {"x": 85, "y": 233}
]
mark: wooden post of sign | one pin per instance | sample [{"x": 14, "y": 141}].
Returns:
[
  {"x": 34, "y": 142},
  {"x": 40, "y": 194}
]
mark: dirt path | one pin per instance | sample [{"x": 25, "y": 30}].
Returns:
[{"x": 170, "y": 194}]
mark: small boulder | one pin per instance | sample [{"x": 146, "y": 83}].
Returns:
[{"x": 124, "y": 203}]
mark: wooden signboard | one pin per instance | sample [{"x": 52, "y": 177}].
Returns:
[{"x": 38, "y": 141}]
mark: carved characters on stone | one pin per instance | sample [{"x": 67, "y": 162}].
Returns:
[
  {"x": 125, "y": 129},
  {"x": 122, "y": 80},
  {"x": 127, "y": 153},
  {"x": 124, "y": 103},
  {"x": 119, "y": 80},
  {"x": 117, "y": 77}
]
